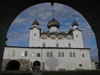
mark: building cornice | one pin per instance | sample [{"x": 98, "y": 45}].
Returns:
[{"x": 45, "y": 47}]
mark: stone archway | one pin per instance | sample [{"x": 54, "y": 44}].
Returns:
[
  {"x": 11, "y": 8},
  {"x": 36, "y": 65},
  {"x": 13, "y": 65}
]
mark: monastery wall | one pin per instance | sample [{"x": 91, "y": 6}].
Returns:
[{"x": 78, "y": 59}]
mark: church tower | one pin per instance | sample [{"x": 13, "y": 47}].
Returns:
[
  {"x": 77, "y": 34},
  {"x": 34, "y": 33}
]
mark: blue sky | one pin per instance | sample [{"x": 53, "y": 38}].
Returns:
[{"x": 18, "y": 33}]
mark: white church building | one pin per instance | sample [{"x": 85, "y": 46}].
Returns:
[{"x": 50, "y": 51}]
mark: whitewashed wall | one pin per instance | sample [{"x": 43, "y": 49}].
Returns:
[
  {"x": 55, "y": 62},
  {"x": 36, "y": 41}
]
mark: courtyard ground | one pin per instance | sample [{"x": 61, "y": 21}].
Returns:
[{"x": 89, "y": 72}]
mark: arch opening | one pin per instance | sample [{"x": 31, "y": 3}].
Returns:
[
  {"x": 13, "y": 65},
  {"x": 36, "y": 65}
]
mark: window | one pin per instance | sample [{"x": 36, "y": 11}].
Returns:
[
  {"x": 22, "y": 53},
  {"x": 51, "y": 54},
  {"x": 57, "y": 45},
  {"x": 38, "y": 54},
  {"x": 59, "y": 55},
  {"x": 44, "y": 45},
  {"x": 10, "y": 53},
  {"x": 70, "y": 54},
  {"x": 62, "y": 54},
  {"x": 69, "y": 45},
  {"x": 33, "y": 54},
  {"x": 13, "y": 53},
  {"x": 26, "y": 53},
  {"x": 47, "y": 54},
  {"x": 82, "y": 55},
  {"x": 74, "y": 54},
  {"x": 34, "y": 34},
  {"x": 76, "y": 35},
  {"x": 80, "y": 65}
]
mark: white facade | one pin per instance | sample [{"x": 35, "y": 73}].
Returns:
[
  {"x": 57, "y": 51},
  {"x": 37, "y": 41},
  {"x": 55, "y": 62}
]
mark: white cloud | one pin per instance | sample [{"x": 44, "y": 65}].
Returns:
[
  {"x": 42, "y": 23},
  {"x": 14, "y": 37},
  {"x": 68, "y": 24},
  {"x": 45, "y": 16},
  {"x": 19, "y": 20}
]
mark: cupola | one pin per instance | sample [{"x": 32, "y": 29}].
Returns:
[
  {"x": 53, "y": 22},
  {"x": 53, "y": 25},
  {"x": 35, "y": 23},
  {"x": 74, "y": 24}
]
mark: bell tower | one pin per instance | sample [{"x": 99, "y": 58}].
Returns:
[
  {"x": 34, "y": 32},
  {"x": 77, "y": 34}
]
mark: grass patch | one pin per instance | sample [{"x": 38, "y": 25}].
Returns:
[
  {"x": 86, "y": 72},
  {"x": 93, "y": 72}
]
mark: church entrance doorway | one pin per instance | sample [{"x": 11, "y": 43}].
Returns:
[
  {"x": 13, "y": 65},
  {"x": 36, "y": 65}
]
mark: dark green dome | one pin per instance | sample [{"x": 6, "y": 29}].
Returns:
[
  {"x": 53, "y": 22},
  {"x": 35, "y": 22},
  {"x": 74, "y": 24}
]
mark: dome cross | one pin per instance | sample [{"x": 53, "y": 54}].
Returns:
[
  {"x": 36, "y": 16},
  {"x": 53, "y": 12},
  {"x": 35, "y": 22}
]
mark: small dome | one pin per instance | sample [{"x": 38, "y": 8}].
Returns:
[
  {"x": 35, "y": 22},
  {"x": 74, "y": 24},
  {"x": 53, "y": 22}
]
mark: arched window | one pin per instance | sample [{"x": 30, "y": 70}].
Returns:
[
  {"x": 51, "y": 54},
  {"x": 69, "y": 45},
  {"x": 22, "y": 53},
  {"x": 57, "y": 45},
  {"x": 62, "y": 54},
  {"x": 38, "y": 54},
  {"x": 76, "y": 35},
  {"x": 70, "y": 54},
  {"x": 26, "y": 53},
  {"x": 34, "y": 34},
  {"x": 59, "y": 55},
  {"x": 82, "y": 55},
  {"x": 74, "y": 54},
  {"x": 33, "y": 54},
  {"x": 47, "y": 54},
  {"x": 10, "y": 53},
  {"x": 44, "y": 45},
  {"x": 13, "y": 53}
]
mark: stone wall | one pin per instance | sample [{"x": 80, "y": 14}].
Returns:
[{"x": 24, "y": 64}]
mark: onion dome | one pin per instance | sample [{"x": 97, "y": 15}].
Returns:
[
  {"x": 74, "y": 24},
  {"x": 35, "y": 22},
  {"x": 53, "y": 22}
]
